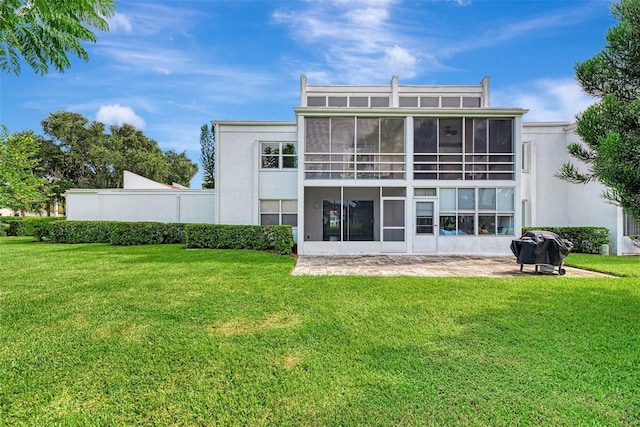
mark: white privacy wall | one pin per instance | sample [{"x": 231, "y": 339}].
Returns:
[
  {"x": 555, "y": 202},
  {"x": 186, "y": 206}
]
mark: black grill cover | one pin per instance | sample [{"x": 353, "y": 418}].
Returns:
[{"x": 540, "y": 247}]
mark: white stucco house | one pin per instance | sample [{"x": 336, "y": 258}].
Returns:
[
  {"x": 398, "y": 169},
  {"x": 404, "y": 169}
]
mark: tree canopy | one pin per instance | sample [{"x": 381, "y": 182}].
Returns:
[
  {"x": 44, "y": 32},
  {"x": 20, "y": 187},
  {"x": 610, "y": 128},
  {"x": 83, "y": 154}
]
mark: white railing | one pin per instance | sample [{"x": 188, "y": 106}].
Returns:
[{"x": 354, "y": 166}]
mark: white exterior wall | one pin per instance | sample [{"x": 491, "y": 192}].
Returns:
[
  {"x": 559, "y": 203},
  {"x": 186, "y": 206},
  {"x": 240, "y": 183}
]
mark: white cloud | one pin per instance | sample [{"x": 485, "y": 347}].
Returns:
[
  {"x": 120, "y": 22},
  {"x": 118, "y": 114},
  {"x": 358, "y": 39},
  {"x": 546, "y": 99}
]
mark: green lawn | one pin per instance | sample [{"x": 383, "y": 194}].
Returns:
[{"x": 160, "y": 335}]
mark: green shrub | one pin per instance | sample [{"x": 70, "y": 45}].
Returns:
[
  {"x": 587, "y": 240},
  {"x": 257, "y": 237},
  {"x": 81, "y": 231},
  {"x": 3, "y": 229},
  {"x": 137, "y": 233},
  {"x": 15, "y": 223},
  {"x": 39, "y": 226},
  {"x": 174, "y": 233}
]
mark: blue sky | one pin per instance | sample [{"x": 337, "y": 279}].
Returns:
[{"x": 170, "y": 66}]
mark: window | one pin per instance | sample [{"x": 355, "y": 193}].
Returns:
[
  {"x": 354, "y": 148},
  {"x": 424, "y": 218},
  {"x": 463, "y": 149},
  {"x": 279, "y": 212},
  {"x": 278, "y": 155},
  {"x": 477, "y": 211}
]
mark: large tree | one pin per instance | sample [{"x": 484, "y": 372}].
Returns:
[
  {"x": 610, "y": 128},
  {"x": 44, "y": 32},
  {"x": 207, "y": 156},
  {"x": 84, "y": 154},
  {"x": 20, "y": 188}
]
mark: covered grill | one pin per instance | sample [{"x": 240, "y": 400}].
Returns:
[{"x": 541, "y": 248}]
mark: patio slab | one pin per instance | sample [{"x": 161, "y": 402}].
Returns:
[{"x": 421, "y": 265}]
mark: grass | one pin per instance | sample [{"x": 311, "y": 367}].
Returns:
[{"x": 104, "y": 335}]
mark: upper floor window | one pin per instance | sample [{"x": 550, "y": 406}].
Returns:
[
  {"x": 463, "y": 149},
  {"x": 278, "y": 155},
  {"x": 354, "y": 148}
]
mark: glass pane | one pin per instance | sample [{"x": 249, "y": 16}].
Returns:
[
  {"x": 358, "y": 101},
  {"x": 424, "y": 225},
  {"x": 448, "y": 225},
  {"x": 487, "y": 198},
  {"x": 466, "y": 224},
  {"x": 393, "y": 213},
  {"x": 505, "y": 199},
  {"x": 480, "y": 135},
  {"x": 269, "y": 219},
  {"x": 429, "y": 101},
  {"x": 289, "y": 206},
  {"x": 450, "y": 136},
  {"x": 408, "y": 101},
  {"x": 289, "y": 162},
  {"x": 393, "y": 235},
  {"x": 500, "y": 136},
  {"x": 466, "y": 198},
  {"x": 470, "y": 102},
  {"x": 317, "y": 135},
  {"x": 394, "y": 191},
  {"x": 368, "y": 139},
  {"x": 358, "y": 220},
  {"x": 337, "y": 101},
  {"x": 331, "y": 215},
  {"x": 505, "y": 225},
  {"x": 424, "y": 192},
  {"x": 378, "y": 101},
  {"x": 425, "y": 136},
  {"x": 424, "y": 209},
  {"x": 451, "y": 101},
  {"x": 269, "y": 206},
  {"x": 342, "y": 133},
  {"x": 316, "y": 101},
  {"x": 290, "y": 219},
  {"x": 392, "y": 135},
  {"x": 487, "y": 224},
  {"x": 447, "y": 199},
  {"x": 270, "y": 153}
]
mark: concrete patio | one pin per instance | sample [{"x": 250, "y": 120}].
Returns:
[{"x": 421, "y": 265}]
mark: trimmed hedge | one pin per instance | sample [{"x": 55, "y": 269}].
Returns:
[
  {"x": 81, "y": 231},
  {"x": 257, "y": 237},
  {"x": 15, "y": 223},
  {"x": 117, "y": 233},
  {"x": 36, "y": 226},
  {"x": 40, "y": 226},
  {"x": 146, "y": 233},
  {"x": 212, "y": 236},
  {"x": 586, "y": 240}
]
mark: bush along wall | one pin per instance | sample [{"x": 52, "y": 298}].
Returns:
[
  {"x": 257, "y": 237},
  {"x": 586, "y": 240},
  {"x": 14, "y": 225},
  {"x": 116, "y": 232},
  {"x": 81, "y": 231},
  {"x": 40, "y": 226}
]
